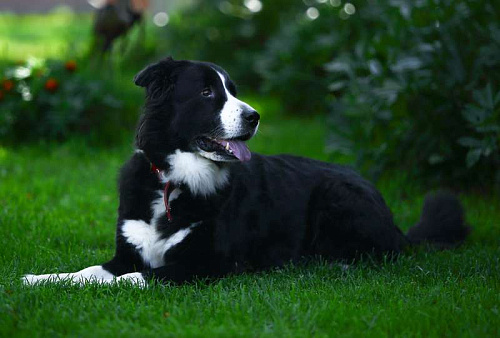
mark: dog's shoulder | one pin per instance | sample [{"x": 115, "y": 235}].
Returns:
[
  {"x": 138, "y": 186},
  {"x": 136, "y": 170}
]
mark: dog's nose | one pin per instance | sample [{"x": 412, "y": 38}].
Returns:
[{"x": 252, "y": 117}]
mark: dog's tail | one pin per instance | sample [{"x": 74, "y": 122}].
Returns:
[{"x": 442, "y": 223}]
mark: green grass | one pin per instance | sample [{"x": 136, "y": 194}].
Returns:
[
  {"x": 49, "y": 36},
  {"x": 58, "y": 206}
]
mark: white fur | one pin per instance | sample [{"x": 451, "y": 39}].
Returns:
[
  {"x": 148, "y": 241},
  {"x": 158, "y": 207},
  {"x": 174, "y": 195},
  {"x": 91, "y": 274},
  {"x": 134, "y": 278},
  {"x": 202, "y": 176},
  {"x": 176, "y": 238},
  {"x": 230, "y": 113}
]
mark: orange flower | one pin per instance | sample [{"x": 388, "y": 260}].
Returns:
[
  {"x": 70, "y": 65},
  {"x": 1, "y": 95},
  {"x": 8, "y": 85},
  {"x": 51, "y": 85}
]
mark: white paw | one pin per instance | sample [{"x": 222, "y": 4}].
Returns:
[{"x": 134, "y": 278}]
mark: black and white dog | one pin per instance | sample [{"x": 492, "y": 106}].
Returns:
[{"x": 195, "y": 203}]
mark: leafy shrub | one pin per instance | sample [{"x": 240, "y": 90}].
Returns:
[
  {"x": 292, "y": 61},
  {"x": 226, "y": 32},
  {"x": 420, "y": 89},
  {"x": 53, "y": 99}
]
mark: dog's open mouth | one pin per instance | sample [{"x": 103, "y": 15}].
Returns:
[{"x": 225, "y": 150}]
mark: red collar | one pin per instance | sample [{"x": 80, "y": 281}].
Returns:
[{"x": 166, "y": 191}]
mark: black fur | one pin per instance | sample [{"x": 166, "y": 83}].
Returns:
[
  {"x": 274, "y": 209},
  {"x": 442, "y": 222}
]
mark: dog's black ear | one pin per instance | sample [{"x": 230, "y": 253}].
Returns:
[
  {"x": 159, "y": 71},
  {"x": 145, "y": 76}
]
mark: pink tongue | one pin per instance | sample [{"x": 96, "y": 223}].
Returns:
[{"x": 240, "y": 150}]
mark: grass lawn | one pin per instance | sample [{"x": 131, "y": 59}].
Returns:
[
  {"x": 58, "y": 206},
  {"x": 50, "y": 36},
  {"x": 57, "y": 214}
]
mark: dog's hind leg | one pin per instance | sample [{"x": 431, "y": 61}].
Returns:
[{"x": 348, "y": 219}]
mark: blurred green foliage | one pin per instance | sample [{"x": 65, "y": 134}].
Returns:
[
  {"x": 404, "y": 84},
  {"x": 227, "y": 33},
  {"x": 51, "y": 99},
  {"x": 409, "y": 84},
  {"x": 420, "y": 89}
]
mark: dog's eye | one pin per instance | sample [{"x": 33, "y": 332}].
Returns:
[{"x": 207, "y": 92}]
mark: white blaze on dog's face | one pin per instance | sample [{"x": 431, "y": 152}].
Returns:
[
  {"x": 238, "y": 123},
  {"x": 231, "y": 114}
]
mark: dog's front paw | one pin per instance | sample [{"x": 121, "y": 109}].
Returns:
[{"x": 134, "y": 278}]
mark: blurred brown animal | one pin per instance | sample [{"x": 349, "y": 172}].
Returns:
[{"x": 115, "y": 19}]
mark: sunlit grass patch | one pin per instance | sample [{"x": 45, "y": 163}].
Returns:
[{"x": 46, "y": 36}]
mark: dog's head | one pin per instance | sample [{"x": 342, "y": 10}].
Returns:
[{"x": 192, "y": 106}]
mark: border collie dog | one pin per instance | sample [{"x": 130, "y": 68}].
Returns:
[{"x": 196, "y": 203}]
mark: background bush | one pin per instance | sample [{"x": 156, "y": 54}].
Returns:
[
  {"x": 52, "y": 99},
  {"x": 406, "y": 85},
  {"x": 226, "y": 32},
  {"x": 421, "y": 91}
]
